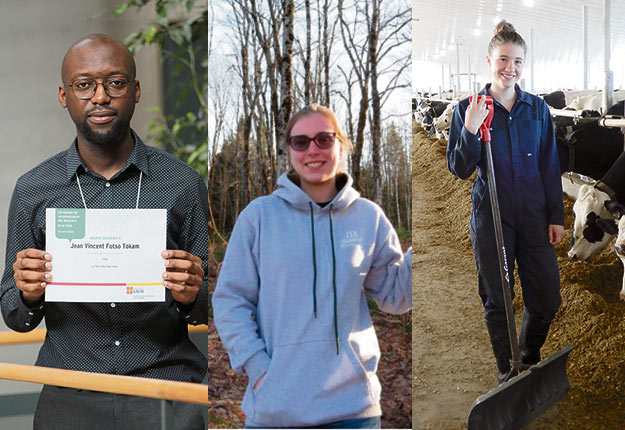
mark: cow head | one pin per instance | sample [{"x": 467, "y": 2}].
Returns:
[
  {"x": 588, "y": 236},
  {"x": 443, "y": 122},
  {"x": 609, "y": 226}
]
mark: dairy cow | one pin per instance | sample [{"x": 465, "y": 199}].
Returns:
[
  {"x": 560, "y": 99},
  {"x": 595, "y": 203},
  {"x": 420, "y": 108},
  {"x": 586, "y": 148},
  {"x": 593, "y": 101},
  {"x": 610, "y": 227},
  {"x": 434, "y": 110},
  {"x": 442, "y": 123},
  {"x": 619, "y": 248},
  {"x": 588, "y": 237}
]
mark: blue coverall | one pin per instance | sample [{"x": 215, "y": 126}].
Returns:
[{"x": 529, "y": 189}]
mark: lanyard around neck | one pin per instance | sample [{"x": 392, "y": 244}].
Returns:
[{"x": 83, "y": 196}]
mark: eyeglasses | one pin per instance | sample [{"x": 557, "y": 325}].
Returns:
[
  {"x": 114, "y": 86},
  {"x": 324, "y": 140}
]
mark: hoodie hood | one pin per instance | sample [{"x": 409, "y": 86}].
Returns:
[{"x": 289, "y": 190}]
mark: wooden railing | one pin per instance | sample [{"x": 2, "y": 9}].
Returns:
[
  {"x": 38, "y": 335},
  {"x": 130, "y": 385}
]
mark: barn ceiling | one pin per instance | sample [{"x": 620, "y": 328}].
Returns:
[{"x": 444, "y": 30}]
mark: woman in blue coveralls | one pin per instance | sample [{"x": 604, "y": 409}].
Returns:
[{"x": 530, "y": 198}]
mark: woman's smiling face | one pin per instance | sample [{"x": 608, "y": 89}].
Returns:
[
  {"x": 316, "y": 167},
  {"x": 506, "y": 64}
]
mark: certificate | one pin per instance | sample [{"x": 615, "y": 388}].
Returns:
[{"x": 106, "y": 255}]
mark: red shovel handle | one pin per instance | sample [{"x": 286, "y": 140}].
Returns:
[{"x": 485, "y": 127}]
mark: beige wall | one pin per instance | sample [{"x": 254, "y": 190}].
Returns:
[{"x": 34, "y": 36}]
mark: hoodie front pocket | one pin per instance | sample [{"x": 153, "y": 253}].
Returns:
[{"x": 309, "y": 383}]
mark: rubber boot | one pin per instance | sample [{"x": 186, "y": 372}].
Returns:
[
  {"x": 532, "y": 336},
  {"x": 498, "y": 333}
]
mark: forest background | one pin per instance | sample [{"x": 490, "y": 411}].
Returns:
[{"x": 267, "y": 59}]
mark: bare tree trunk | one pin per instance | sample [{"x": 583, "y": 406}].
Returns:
[
  {"x": 268, "y": 38},
  {"x": 356, "y": 55},
  {"x": 348, "y": 97},
  {"x": 286, "y": 81},
  {"x": 247, "y": 124},
  {"x": 269, "y": 144},
  {"x": 376, "y": 133},
  {"x": 326, "y": 56},
  {"x": 318, "y": 70},
  {"x": 308, "y": 56},
  {"x": 396, "y": 192}
]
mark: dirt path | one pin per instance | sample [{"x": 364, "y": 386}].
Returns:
[{"x": 453, "y": 363}]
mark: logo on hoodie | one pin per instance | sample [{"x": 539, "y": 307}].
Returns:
[{"x": 351, "y": 239}]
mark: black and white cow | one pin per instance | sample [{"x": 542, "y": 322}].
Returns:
[
  {"x": 434, "y": 110},
  {"x": 443, "y": 122},
  {"x": 595, "y": 203},
  {"x": 593, "y": 101},
  {"x": 586, "y": 148},
  {"x": 560, "y": 99},
  {"x": 612, "y": 228}
]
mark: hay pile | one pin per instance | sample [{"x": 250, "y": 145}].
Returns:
[
  {"x": 454, "y": 201},
  {"x": 591, "y": 316}
]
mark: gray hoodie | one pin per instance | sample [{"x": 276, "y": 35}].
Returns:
[{"x": 290, "y": 303}]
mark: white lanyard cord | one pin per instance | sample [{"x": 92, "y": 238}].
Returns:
[
  {"x": 83, "y": 196},
  {"x": 139, "y": 189}
]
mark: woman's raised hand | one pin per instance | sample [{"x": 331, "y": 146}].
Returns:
[{"x": 475, "y": 114}]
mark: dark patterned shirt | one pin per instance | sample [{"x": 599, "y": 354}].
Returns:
[{"x": 139, "y": 339}]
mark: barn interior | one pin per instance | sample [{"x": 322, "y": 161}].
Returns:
[{"x": 572, "y": 45}]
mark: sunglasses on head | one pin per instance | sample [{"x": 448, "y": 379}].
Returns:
[{"x": 324, "y": 140}]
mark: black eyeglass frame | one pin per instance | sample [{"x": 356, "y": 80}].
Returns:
[
  {"x": 104, "y": 80},
  {"x": 315, "y": 139}
]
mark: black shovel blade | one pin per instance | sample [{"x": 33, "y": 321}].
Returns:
[{"x": 516, "y": 402}]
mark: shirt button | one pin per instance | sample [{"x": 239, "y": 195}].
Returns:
[
  {"x": 108, "y": 184},
  {"x": 112, "y": 305},
  {"x": 116, "y": 343},
  {"x": 509, "y": 118}
]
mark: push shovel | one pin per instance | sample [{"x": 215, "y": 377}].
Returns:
[{"x": 525, "y": 396}]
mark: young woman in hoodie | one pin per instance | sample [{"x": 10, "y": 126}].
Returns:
[{"x": 290, "y": 303}]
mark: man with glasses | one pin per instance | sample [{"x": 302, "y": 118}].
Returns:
[{"x": 108, "y": 166}]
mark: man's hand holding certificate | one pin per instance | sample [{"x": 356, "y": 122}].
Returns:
[{"x": 106, "y": 255}]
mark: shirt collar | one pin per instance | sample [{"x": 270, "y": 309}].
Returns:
[
  {"x": 138, "y": 157},
  {"x": 521, "y": 95}
]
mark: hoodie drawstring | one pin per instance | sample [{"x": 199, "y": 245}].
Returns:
[
  {"x": 336, "y": 324},
  {"x": 312, "y": 228}
]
